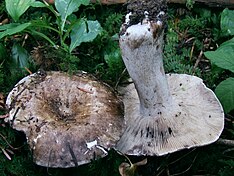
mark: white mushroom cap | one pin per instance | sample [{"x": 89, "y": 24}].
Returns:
[
  {"x": 67, "y": 119},
  {"x": 197, "y": 120}
]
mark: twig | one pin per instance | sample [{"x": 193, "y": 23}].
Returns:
[
  {"x": 197, "y": 61},
  {"x": 5, "y": 153},
  {"x": 159, "y": 173},
  {"x": 4, "y": 116},
  {"x": 187, "y": 168},
  {"x": 192, "y": 49},
  {"x": 29, "y": 71},
  {"x": 181, "y": 157},
  {"x": 160, "y": 168},
  {"x": 121, "y": 75},
  {"x": 84, "y": 90},
  {"x": 228, "y": 150},
  {"x": 13, "y": 148},
  {"x": 229, "y": 118},
  {"x": 226, "y": 142}
]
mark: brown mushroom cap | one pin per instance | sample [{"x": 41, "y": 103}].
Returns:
[
  {"x": 196, "y": 119},
  {"x": 66, "y": 118}
]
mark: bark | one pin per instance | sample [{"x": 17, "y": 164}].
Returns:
[{"x": 211, "y": 3}]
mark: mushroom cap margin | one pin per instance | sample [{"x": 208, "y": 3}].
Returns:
[{"x": 196, "y": 119}]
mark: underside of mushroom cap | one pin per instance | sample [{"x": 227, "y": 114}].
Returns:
[
  {"x": 195, "y": 119},
  {"x": 68, "y": 119}
]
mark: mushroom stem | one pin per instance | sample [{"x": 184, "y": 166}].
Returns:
[
  {"x": 165, "y": 113},
  {"x": 141, "y": 47}
]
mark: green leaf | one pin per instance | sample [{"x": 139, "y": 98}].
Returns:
[
  {"x": 8, "y": 26},
  {"x": 33, "y": 32},
  {"x": 227, "y": 21},
  {"x": 11, "y": 29},
  {"x": 3, "y": 53},
  {"x": 228, "y": 45},
  {"x": 16, "y": 8},
  {"x": 223, "y": 57},
  {"x": 20, "y": 56},
  {"x": 38, "y": 4},
  {"x": 67, "y": 7},
  {"x": 225, "y": 93},
  {"x": 84, "y": 31}
]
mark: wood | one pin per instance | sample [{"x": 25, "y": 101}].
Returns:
[
  {"x": 211, "y": 3},
  {"x": 108, "y": 2}
]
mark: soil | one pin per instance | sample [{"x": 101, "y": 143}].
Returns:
[{"x": 138, "y": 7}]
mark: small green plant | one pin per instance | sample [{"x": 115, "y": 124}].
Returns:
[
  {"x": 189, "y": 4},
  {"x": 77, "y": 29},
  {"x": 178, "y": 61},
  {"x": 60, "y": 27},
  {"x": 223, "y": 58}
]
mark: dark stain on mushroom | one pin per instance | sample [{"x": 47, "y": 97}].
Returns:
[
  {"x": 170, "y": 130},
  {"x": 141, "y": 132},
  {"x": 147, "y": 132},
  {"x": 74, "y": 159},
  {"x": 14, "y": 116},
  {"x": 136, "y": 43}
]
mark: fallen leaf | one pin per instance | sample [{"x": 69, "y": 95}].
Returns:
[
  {"x": 129, "y": 169},
  {"x": 2, "y": 104}
]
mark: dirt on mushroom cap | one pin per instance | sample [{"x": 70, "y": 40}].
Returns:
[{"x": 66, "y": 118}]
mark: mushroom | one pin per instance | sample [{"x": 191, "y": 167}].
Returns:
[
  {"x": 68, "y": 119},
  {"x": 164, "y": 113}
]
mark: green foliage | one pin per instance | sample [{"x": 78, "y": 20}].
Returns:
[
  {"x": 228, "y": 169},
  {"x": 13, "y": 9},
  {"x": 112, "y": 23},
  {"x": 227, "y": 22},
  {"x": 13, "y": 28},
  {"x": 115, "y": 65},
  {"x": 223, "y": 57},
  {"x": 189, "y": 4},
  {"x": 58, "y": 25},
  {"x": 67, "y": 62},
  {"x": 88, "y": 30},
  {"x": 2, "y": 60},
  {"x": 6, "y": 67},
  {"x": 177, "y": 62},
  {"x": 225, "y": 93},
  {"x": 101, "y": 57},
  {"x": 66, "y": 8},
  {"x": 21, "y": 162},
  {"x": 20, "y": 56},
  {"x": 83, "y": 31}
]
